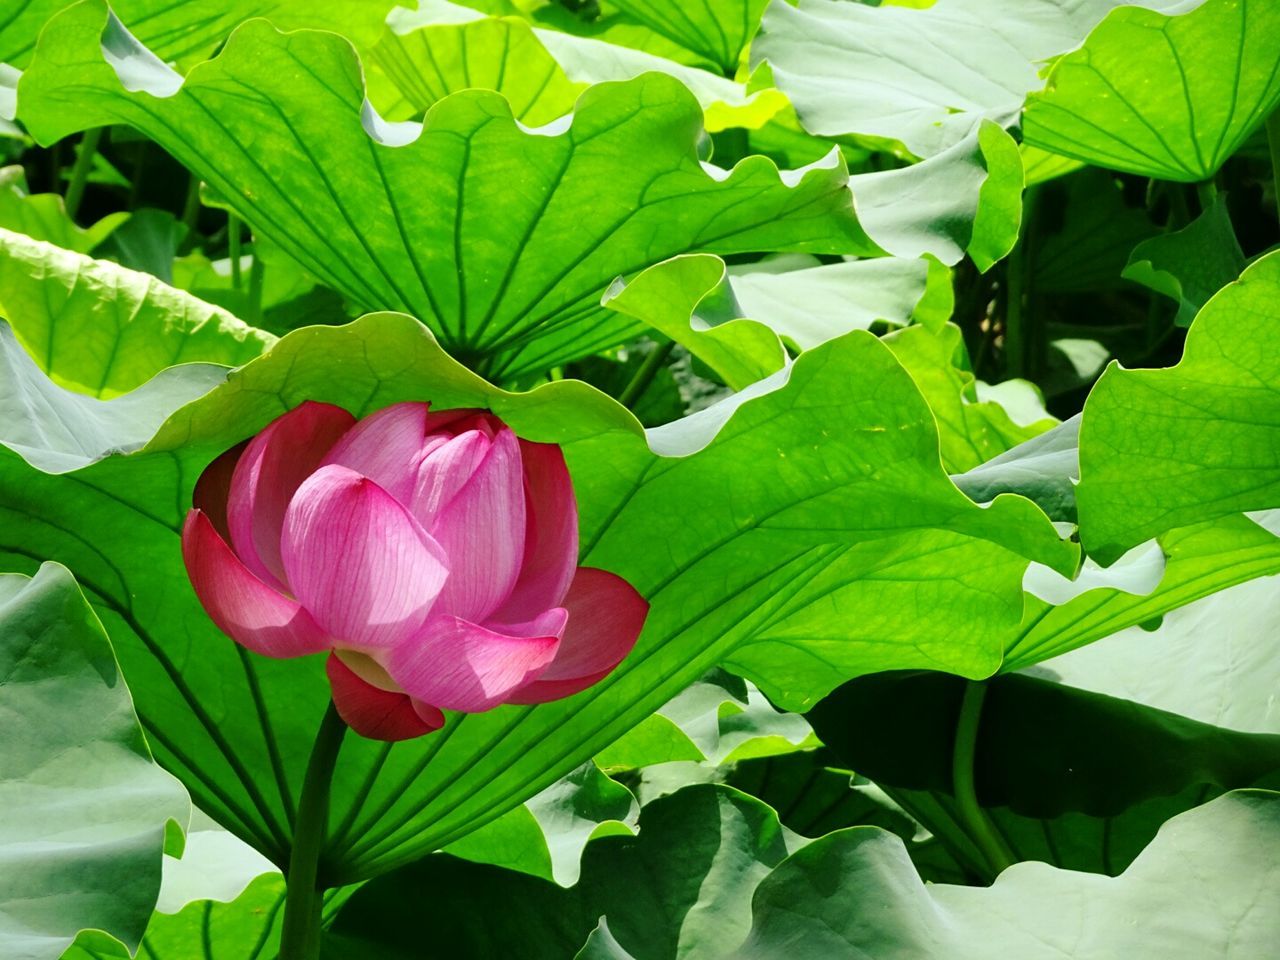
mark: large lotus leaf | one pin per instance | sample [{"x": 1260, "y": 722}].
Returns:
[
  {"x": 718, "y": 30},
  {"x": 844, "y": 506},
  {"x": 718, "y": 720},
  {"x": 1203, "y": 888},
  {"x": 188, "y": 31},
  {"x": 421, "y": 54},
  {"x": 85, "y": 806},
  {"x": 545, "y": 837},
  {"x": 422, "y": 64},
  {"x": 1213, "y": 660},
  {"x": 1166, "y": 448},
  {"x": 1169, "y": 97},
  {"x": 424, "y": 218},
  {"x": 58, "y": 431},
  {"x": 972, "y": 430},
  {"x": 680, "y": 888},
  {"x": 246, "y": 928},
  {"x": 1192, "y": 264},
  {"x": 44, "y": 215},
  {"x": 102, "y": 330},
  {"x": 924, "y": 77}
]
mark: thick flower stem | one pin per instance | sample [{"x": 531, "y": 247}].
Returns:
[
  {"x": 977, "y": 824},
  {"x": 300, "y": 935}
]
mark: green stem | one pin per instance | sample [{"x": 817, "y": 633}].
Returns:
[
  {"x": 1017, "y": 335},
  {"x": 300, "y": 932},
  {"x": 80, "y": 172},
  {"x": 190, "y": 214},
  {"x": 257, "y": 271},
  {"x": 974, "y": 818},
  {"x": 644, "y": 376},
  {"x": 1273, "y": 142},
  {"x": 233, "y": 246},
  {"x": 1206, "y": 193}
]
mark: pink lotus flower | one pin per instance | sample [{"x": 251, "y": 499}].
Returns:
[{"x": 434, "y": 555}]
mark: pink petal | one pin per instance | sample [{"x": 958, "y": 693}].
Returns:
[
  {"x": 447, "y": 467},
  {"x": 605, "y": 618},
  {"x": 551, "y": 534},
  {"x": 458, "y": 665},
  {"x": 481, "y": 528},
  {"x": 272, "y": 467},
  {"x": 387, "y": 447},
  {"x": 378, "y": 714},
  {"x": 213, "y": 489},
  {"x": 358, "y": 561},
  {"x": 249, "y": 611}
]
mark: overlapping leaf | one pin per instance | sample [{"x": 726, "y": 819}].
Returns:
[
  {"x": 426, "y": 219},
  {"x": 187, "y": 31},
  {"x": 1164, "y": 96},
  {"x": 807, "y": 907},
  {"x": 854, "y": 498},
  {"x": 85, "y": 807},
  {"x": 1166, "y": 448},
  {"x": 925, "y": 77}
]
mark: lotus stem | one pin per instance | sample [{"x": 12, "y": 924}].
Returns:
[
  {"x": 300, "y": 934},
  {"x": 1273, "y": 143},
  {"x": 80, "y": 171},
  {"x": 644, "y": 376},
  {"x": 975, "y": 820}
]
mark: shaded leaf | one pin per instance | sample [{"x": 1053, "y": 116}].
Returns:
[
  {"x": 680, "y": 887},
  {"x": 85, "y": 806},
  {"x": 1192, "y": 264},
  {"x": 1200, "y": 889}
]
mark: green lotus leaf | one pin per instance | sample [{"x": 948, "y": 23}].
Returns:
[
  {"x": 85, "y": 807},
  {"x": 808, "y": 906},
  {"x": 544, "y": 66},
  {"x": 186, "y": 32},
  {"x": 718, "y": 30},
  {"x": 680, "y": 887},
  {"x": 925, "y": 77},
  {"x": 43, "y": 216},
  {"x": 850, "y": 509},
  {"x": 1164, "y": 96},
  {"x": 1161, "y": 449},
  {"x": 1192, "y": 264},
  {"x": 509, "y": 279},
  {"x": 103, "y": 330}
]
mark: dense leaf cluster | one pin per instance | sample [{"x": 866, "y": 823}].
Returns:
[{"x": 919, "y": 363}]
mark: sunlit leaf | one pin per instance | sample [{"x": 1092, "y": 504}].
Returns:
[{"x": 1164, "y": 96}]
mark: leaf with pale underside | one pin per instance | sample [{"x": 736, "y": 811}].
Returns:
[
  {"x": 85, "y": 807},
  {"x": 1203, "y": 887},
  {"x": 925, "y": 77}
]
